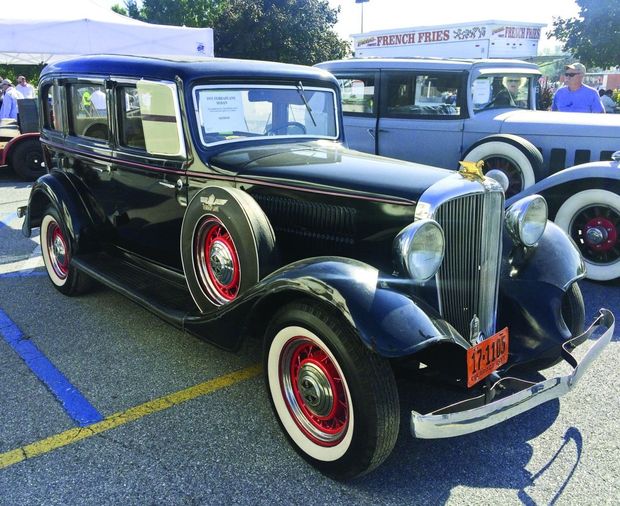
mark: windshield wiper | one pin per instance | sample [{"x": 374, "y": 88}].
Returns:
[{"x": 300, "y": 90}]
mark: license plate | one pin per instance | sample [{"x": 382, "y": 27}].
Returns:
[{"x": 487, "y": 356}]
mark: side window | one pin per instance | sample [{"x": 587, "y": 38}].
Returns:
[
  {"x": 422, "y": 95},
  {"x": 51, "y": 108},
  {"x": 130, "y": 120},
  {"x": 160, "y": 118},
  {"x": 358, "y": 93},
  {"x": 88, "y": 114}
]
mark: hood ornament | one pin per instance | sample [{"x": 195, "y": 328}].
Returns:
[{"x": 472, "y": 170}]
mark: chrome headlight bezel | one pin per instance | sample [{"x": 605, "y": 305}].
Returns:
[
  {"x": 414, "y": 255},
  {"x": 526, "y": 220}
]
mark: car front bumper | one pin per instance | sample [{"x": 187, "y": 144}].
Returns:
[{"x": 461, "y": 418}]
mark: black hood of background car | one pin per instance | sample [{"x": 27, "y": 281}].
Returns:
[{"x": 330, "y": 165}]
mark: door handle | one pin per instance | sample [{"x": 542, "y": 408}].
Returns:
[
  {"x": 103, "y": 170},
  {"x": 371, "y": 132},
  {"x": 178, "y": 185}
]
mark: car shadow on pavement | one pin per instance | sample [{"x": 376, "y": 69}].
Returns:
[{"x": 495, "y": 458}]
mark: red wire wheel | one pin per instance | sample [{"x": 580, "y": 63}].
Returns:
[
  {"x": 217, "y": 261},
  {"x": 314, "y": 391},
  {"x": 58, "y": 250}
]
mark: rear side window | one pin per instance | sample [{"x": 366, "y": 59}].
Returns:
[
  {"x": 131, "y": 130},
  {"x": 358, "y": 93},
  {"x": 88, "y": 113},
  {"x": 51, "y": 107},
  {"x": 415, "y": 95}
]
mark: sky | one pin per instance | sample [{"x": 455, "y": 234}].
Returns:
[{"x": 384, "y": 14}]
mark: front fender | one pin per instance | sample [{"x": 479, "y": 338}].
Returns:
[
  {"x": 561, "y": 185},
  {"x": 388, "y": 321},
  {"x": 57, "y": 189},
  {"x": 533, "y": 282}
]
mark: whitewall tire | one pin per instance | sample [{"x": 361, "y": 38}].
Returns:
[{"x": 592, "y": 219}]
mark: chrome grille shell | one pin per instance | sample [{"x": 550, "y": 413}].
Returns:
[{"x": 471, "y": 213}]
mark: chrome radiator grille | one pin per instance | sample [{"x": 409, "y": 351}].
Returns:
[{"x": 468, "y": 278}]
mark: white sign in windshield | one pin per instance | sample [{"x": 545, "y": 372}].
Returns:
[{"x": 222, "y": 111}]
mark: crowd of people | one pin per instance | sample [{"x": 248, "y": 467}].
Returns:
[{"x": 10, "y": 94}]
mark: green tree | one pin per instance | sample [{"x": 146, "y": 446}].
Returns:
[
  {"x": 292, "y": 31},
  {"x": 130, "y": 9},
  {"x": 593, "y": 37}
]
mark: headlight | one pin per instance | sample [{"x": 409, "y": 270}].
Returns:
[
  {"x": 418, "y": 249},
  {"x": 526, "y": 219}
]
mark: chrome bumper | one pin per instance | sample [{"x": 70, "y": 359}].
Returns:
[{"x": 457, "y": 419}]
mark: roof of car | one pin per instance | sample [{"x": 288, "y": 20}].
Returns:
[
  {"x": 425, "y": 63},
  {"x": 186, "y": 68}
]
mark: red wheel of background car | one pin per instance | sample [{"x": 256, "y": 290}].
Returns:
[
  {"x": 57, "y": 250},
  {"x": 217, "y": 260},
  {"x": 592, "y": 219},
  {"x": 314, "y": 391}
]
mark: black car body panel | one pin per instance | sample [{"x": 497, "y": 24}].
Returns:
[{"x": 220, "y": 196}]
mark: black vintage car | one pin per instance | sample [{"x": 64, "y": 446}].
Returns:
[{"x": 218, "y": 194}]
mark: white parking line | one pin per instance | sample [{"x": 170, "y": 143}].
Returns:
[{"x": 21, "y": 267}]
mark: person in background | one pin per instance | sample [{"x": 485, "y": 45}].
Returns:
[
  {"x": 25, "y": 88},
  {"x": 9, "y": 102},
  {"x": 607, "y": 100},
  {"x": 513, "y": 85},
  {"x": 576, "y": 96}
]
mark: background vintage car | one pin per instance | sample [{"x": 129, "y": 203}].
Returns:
[
  {"x": 440, "y": 111},
  {"x": 219, "y": 195}
]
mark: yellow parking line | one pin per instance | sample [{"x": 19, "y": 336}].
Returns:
[{"x": 116, "y": 420}]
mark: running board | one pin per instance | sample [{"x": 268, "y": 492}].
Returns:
[{"x": 165, "y": 298}]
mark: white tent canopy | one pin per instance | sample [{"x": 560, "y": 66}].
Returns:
[{"x": 40, "y": 31}]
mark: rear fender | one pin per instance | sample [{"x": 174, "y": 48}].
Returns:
[
  {"x": 58, "y": 190},
  {"x": 388, "y": 321}
]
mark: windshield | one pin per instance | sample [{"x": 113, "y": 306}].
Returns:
[
  {"x": 232, "y": 113},
  {"x": 501, "y": 91}
]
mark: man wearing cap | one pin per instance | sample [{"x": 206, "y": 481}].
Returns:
[
  {"x": 9, "y": 102},
  {"x": 576, "y": 96}
]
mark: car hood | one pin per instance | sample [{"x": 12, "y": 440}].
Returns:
[
  {"x": 330, "y": 166},
  {"x": 559, "y": 123}
]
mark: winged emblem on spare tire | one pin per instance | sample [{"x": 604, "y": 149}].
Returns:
[{"x": 211, "y": 203}]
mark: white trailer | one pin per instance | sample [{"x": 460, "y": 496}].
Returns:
[{"x": 478, "y": 39}]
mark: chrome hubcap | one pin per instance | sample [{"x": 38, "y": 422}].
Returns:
[
  {"x": 222, "y": 264},
  {"x": 315, "y": 389},
  {"x": 596, "y": 236}
]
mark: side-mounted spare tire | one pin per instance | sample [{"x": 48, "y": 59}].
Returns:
[
  {"x": 515, "y": 157},
  {"x": 227, "y": 245}
]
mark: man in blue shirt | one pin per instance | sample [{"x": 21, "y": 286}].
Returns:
[
  {"x": 576, "y": 96},
  {"x": 9, "y": 100}
]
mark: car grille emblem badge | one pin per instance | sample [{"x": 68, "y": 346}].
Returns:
[{"x": 212, "y": 204}]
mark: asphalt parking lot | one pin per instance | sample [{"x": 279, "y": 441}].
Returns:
[{"x": 103, "y": 403}]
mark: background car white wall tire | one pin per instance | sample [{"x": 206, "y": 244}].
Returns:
[
  {"x": 365, "y": 435},
  {"x": 516, "y": 157},
  {"x": 586, "y": 206}
]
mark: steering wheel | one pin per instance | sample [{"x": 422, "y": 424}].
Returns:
[{"x": 283, "y": 129}]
